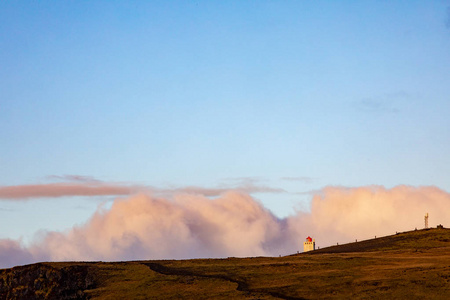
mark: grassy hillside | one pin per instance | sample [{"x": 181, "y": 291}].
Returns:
[
  {"x": 411, "y": 240},
  {"x": 413, "y": 265}
]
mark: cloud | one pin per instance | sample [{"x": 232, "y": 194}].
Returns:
[
  {"x": 370, "y": 105},
  {"x": 75, "y": 178},
  {"x": 6, "y": 209},
  {"x": 12, "y": 253},
  {"x": 213, "y": 192},
  {"x": 88, "y": 186},
  {"x": 146, "y": 227},
  {"x": 303, "y": 179},
  {"x": 234, "y": 224},
  {"x": 52, "y": 190},
  {"x": 385, "y": 103},
  {"x": 447, "y": 22},
  {"x": 250, "y": 185},
  {"x": 342, "y": 214}
]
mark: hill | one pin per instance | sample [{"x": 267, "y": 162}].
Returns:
[
  {"x": 413, "y": 265},
  {"x": 412, "y": 240}
]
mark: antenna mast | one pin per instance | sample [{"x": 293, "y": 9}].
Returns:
[{"x": 426, "y": 221}]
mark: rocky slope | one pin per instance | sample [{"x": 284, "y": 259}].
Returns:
[{"x": 43, "y": 281}]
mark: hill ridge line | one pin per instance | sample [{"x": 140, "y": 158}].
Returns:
[{"x": 400, "y": 241}]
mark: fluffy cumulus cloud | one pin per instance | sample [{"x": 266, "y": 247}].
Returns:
[
  {"x": 12, "y": 253},
  {"x": 343, "y": 214},
  {"x": 234, "y": 224},
  {"x": 144, "y": 227}
]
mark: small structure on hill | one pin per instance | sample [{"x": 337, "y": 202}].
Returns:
[
  {"x": 309, "y": 245},
  {"x": 426, "y": 221}
]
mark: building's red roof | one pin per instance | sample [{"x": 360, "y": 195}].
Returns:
[{"x": 309, "y": 239}]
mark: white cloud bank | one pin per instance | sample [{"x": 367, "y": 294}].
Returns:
[{"x": 235, "y": 224}]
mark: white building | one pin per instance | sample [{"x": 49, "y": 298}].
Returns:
[{"x": 309, "y": 245}]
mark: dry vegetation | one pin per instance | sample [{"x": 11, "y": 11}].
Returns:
[{"x": 414, "y": 265}]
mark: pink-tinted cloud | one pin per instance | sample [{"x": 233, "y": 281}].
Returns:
[
  {"x": 12, "y": 253},
  {"x": 145, "y": 227},
  {"x": 234, "y": 224},
  {"x": 344, "y": 214},
  {"x": 87, "y": 186},
  {"x": 248, "y": 188},
  {"x": 53, "y": 190}
]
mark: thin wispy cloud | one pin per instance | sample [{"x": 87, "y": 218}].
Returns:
[
  {"x": 390, "y": 102},
  {"x": 236, "y": 181},
  {"x": 250, "y": 185},
  {"x": 6, "y": 209},
  {"x": 89, "y": 186},
  {"x": 54, "y": 190},
  {"x": 400, "y": 94},
  {"x": 309, "y": 192},
  {"x": 74, "y": 178},
  {"x": 68, "y": 186},
  {"x": 212, "y": 192},
  {"x": 371, "y": 105},
  {"x": 303, "y": 179},
  {"x": 447, "y": 21}
]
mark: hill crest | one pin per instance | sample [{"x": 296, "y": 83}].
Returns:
[{"x": 409, "y": 240}]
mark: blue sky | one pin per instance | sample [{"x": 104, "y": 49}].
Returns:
[{"x": 292, "y": 95}]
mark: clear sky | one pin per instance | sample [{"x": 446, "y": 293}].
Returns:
[{"x": 280, "y": 97}]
